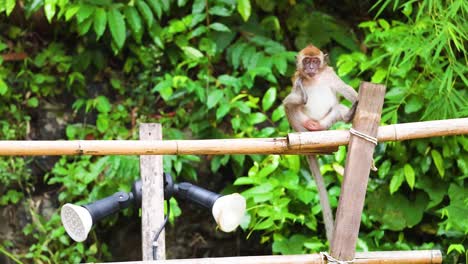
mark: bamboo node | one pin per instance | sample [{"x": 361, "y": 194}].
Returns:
[{"x": 331, "y": 260}]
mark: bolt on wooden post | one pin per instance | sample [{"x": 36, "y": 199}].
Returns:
[
  {"x": 152, "y": 204},
  {"x": 356, "y": 175}
]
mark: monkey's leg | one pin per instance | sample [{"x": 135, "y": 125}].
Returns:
[
  {"x": 337, "y": 113},
  {"x": 323, "y": 194}
]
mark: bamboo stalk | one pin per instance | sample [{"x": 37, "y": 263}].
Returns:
[
  {"x": 377, "y": 257},
  {"x": 295, "y": 143}
]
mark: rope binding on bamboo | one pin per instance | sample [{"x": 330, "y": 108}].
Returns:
[{"x": 331, "y": 260}]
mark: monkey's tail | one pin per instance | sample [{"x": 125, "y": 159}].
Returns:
[{"x": 323, "y": 194}]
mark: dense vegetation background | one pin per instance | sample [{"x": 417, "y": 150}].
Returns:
[{"x": 95, "y": 69}]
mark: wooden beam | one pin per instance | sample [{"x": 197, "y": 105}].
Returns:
[
  {"x": 356, "y": 175},
  {"x": 295, "y": 143},
  {"x": 152, "y": 204},
  {"x": 377, "y": 257}
]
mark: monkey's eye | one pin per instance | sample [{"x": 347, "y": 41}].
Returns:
[
  {"x": 315, "y": 60},
  {"x": 307, "y": 60}
]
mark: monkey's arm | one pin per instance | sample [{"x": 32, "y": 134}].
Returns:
[
  {"x": 293, "y": 105},
  {"x": 350, "y": 94},
  {"x": 342, "y": 88}
]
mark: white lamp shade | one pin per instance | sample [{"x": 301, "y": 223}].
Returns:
[
  {"x": 228, "y": 211},
  {"x": 77, "y": 221}
]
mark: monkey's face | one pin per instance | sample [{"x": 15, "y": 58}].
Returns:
[{"x": 311, "y": 65}]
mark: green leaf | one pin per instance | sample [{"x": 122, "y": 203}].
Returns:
[
  {"x": 264, "y": 224},
  {"x": 414, "y": 104},
  {"x": 84, "y": 13},
  {"x": 33, "y": 102},
  {"x": 244, "y": 181},
  {"x": 409, "y": 175},
  {"x": 117, "y": 27},
  {"x": 278, "y": 113},
  {"x": 100, "y": 21},
  {"x": 379, "y": 75},
  {"x": 214, "y": 97},
  {"x": 84, "y": 27},
  {"x": 181, "y": 3},
  {"x": 396, "y": 181},
  {"x": 71, "y": 11},
  {"x": 198, "y": 6},
  {"x": 219, "y": 27},
  {"x": 269, "y": 98},
  {"x": 145, "y": 12},
  {"x": 256, "y": 118},
  {"x": 3, "y": 87},
  {"x": 192, "y": 53},
  {"x": 10, "y": 5},
  {"x": 291, "y": 246},
  {"x": 155, "y": 5},
  {"x": 134, "y": 21},
  {"x": 459, "y": 248},
  {"x": 166, "y": 5},
  {"x": 384, "y": 169},
  {"x": 457, "y": 210},
  {"x": 438, "y": 161},
  {"x": 281, "y": 64},
  {"x": 102, "y": 123},
  {"x": 102, "y": 104},
  {"x": 396, "y": 212},
  {"x": 49, "y": 9},
  {"x": 222, "y": 111},
  {"x": 244, "y": 9},
  {"x": 219, "y": 11}
]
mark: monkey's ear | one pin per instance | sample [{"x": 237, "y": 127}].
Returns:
[{"x": 326, "y": 58}]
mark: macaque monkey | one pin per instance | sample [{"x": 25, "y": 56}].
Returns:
[{"x": 313, "y": 105}]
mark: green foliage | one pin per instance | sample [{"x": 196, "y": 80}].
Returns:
[{"x": 219, "y": 69}]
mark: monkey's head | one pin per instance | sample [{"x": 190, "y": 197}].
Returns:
[{"x": 310, "y": 60}]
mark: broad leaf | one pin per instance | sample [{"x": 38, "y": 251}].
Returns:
[
  {"x": 409, "y": 175},
  {"x": 117, "y": 27},
  {"x": 100, "y": 21},
  {"x": 438, "y": 161},
  {"x": 3, "y": 87},
  {"x": 219, "y": 27},
  {"x": 145, "y": 12},
  {"x": 269, "y": 98},
  {"x": 244, "y": 9}
]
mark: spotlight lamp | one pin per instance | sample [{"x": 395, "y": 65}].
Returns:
[{"x": 227, "y": 210}]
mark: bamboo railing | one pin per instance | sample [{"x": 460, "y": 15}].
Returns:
[
  {"x": 295, "y": 143},
  {"x": 376, "y": 257}
]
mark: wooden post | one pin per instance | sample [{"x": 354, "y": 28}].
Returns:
[
  {"x": 358, "y": 163},
  {"x": 152, "y": 205}
]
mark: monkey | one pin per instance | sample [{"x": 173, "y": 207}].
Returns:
[{"x": 313, "y": 105}]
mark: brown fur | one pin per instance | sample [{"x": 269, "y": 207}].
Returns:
[
  {"x": 310, "y": 50},
  {"x": 300, "y": 119}
]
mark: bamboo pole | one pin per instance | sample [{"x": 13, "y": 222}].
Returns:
[
  {"x": 377, "y": 257},
  {"x": 295, "y": 143}
]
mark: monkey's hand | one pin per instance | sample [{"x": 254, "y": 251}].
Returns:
[{"x": 313, "y": 125}]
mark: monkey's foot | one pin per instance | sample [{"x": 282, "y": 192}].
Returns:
[{"x": 312, "y": 125}]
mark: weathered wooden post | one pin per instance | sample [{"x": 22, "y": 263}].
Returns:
[
  {"x": 152, "y": 205},
  {"x": 358, "y": 164}
]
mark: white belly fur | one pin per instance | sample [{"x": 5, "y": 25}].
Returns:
[{"x": 320, "y": 100}]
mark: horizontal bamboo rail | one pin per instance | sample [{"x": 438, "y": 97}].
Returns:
[
  {"x": 376, "y": 257},
  {"x": 295, "y": 143}
]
